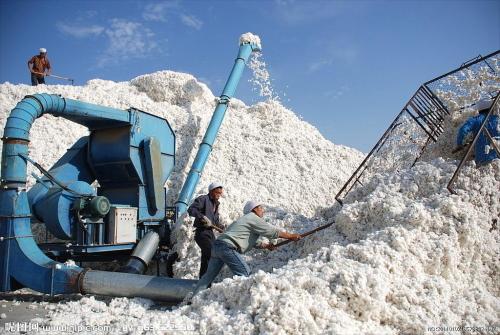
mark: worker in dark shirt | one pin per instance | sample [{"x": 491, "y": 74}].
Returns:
[
  {"x": 39, "y": 67},
  {"x": 205, "y": 210}
]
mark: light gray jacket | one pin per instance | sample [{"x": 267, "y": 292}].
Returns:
[{"x": 246, "y": 230}]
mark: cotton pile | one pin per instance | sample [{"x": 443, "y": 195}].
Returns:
[{"x": 403, "y": 256}]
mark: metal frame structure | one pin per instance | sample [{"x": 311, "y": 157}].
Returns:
[{"x": 427, "y": 112}]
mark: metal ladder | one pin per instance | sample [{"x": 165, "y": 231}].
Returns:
[{"x": 427, "y": 111}]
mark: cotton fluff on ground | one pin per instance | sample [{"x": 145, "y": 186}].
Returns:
[
  {"x": 404, "y": 253},
  {"x": 404, "y": 256}
]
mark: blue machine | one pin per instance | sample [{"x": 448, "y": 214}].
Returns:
[
  {"x": 129, "y": 153},
  {"x": 100, "y": 198}
]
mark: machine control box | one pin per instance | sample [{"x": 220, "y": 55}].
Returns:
[{"x": 122, "y": 224}]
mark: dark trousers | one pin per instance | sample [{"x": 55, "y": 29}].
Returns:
[
  {"x": 35, "y": 80},
  {"x": 204, "y": 238}
]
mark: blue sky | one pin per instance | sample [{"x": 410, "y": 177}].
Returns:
[{"x": 347, "y": 67}]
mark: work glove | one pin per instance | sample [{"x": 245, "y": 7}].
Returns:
[{"x": 206, "y": 222}]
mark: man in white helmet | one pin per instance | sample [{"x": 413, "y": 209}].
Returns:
[
  {"x": 39, "y": 67},
  {"x": 205, "y": 210},
  {"x": 240, "y": 237}
]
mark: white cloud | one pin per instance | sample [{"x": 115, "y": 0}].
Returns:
[
  {"x": 295, "y": 12},
  {"x": 127, "y": 40},
  {"x": 119, "y": 39},
  {"x": 191, "y": 21},
  {"x": 346, "y": 54},
  {"x": 335, "y": 54},
  {"x": 337, "y": 93},
  {"x": 90, "y": 14},
  {"x": 315, "y": 66},
  {"x": 162, "y": 10},
  {"x": 80, "y": 31},
  {"x": 205, "y": 80},
  {"x": 158, "y": 11}
]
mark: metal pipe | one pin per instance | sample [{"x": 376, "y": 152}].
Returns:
[
  {"x": 21, "y": 118},
  {"x": 132, "y": 285},
  {"x": 193, "y": 177},
  {"x": 142, "y": 254},
  {"x": 21, "y": 258}
]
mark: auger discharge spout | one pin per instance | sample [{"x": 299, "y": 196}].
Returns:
[{"x": 248, "y": 43}]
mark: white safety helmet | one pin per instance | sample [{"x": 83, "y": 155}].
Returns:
[
  {"x": 214, "y": 185},
  {"x": 483, "y": 104},
  {"x": 250, "y": 205},
  {"x": 43, "y": 50}
]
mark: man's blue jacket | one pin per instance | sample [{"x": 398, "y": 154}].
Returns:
[{"x": 483, "y": 150}]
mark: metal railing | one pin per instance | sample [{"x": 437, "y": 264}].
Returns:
[{"x": 422, "y": 119}]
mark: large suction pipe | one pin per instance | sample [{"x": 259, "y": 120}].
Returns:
[
  {"x": 186, "y": 194},
  {"x": 142, "y": 254},
  {"x": 22, "y": 117},
  {"x": 133, "y": 285},
  {"x": 22, "y": 263}
]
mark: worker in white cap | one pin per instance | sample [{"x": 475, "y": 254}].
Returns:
[
  {"x": 240, "y": 237},
  {"x": 39, "y": 67},
  {"x": 205, "y": 210},
  {"x": 485, "y": 150}
]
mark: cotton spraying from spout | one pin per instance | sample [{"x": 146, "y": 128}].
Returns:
[
  {"x": 261, "y": 80},
  {"x": 249, "y": 44}
]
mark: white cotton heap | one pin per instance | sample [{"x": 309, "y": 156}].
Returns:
[{"x": 403, "y": 256}]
